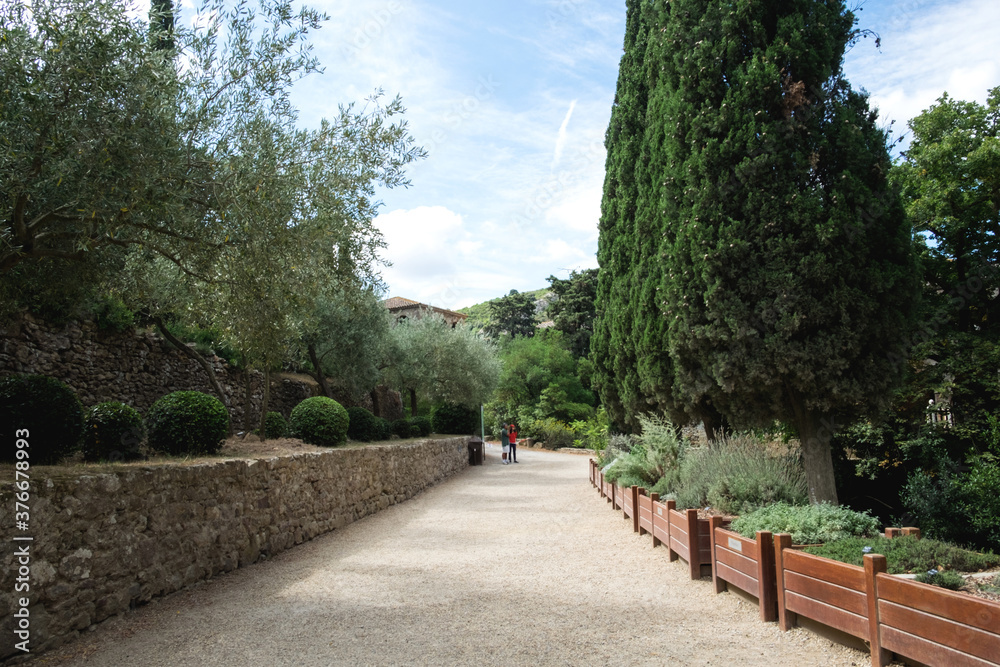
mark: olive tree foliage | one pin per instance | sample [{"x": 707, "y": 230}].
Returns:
[
  {"x": 176, "y": 162},
  {"x": 443, "y": 363},
  {"x": 92, "y": 151},
  {"x": 347, "y": 339}
]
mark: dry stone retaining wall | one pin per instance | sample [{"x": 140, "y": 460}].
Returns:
[
  {"x": 107, "y": 539},
  {"x": 137, "y": 367}
]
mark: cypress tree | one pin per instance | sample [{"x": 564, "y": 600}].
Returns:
[
  {"x": 789, "y": 275},
  {"x": 612, "y": 345}
]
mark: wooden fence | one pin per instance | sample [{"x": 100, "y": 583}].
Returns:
[{"x": 893, "y": 615}]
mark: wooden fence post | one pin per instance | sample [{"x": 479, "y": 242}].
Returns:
[
  {"x": 765, "y": 576},
  {"x": 694, "y": 548},
  {"x": 719, "y": 583},
  {"x": 892, "y": 532},
  {"x": 655, "y": 498},
  {"x": 915, "y": 532},
  {"x": 786, "y": 619},
  {"x": 875, "y": 564},
  {"x": 671, "y": 554},
  {"x": 635, "y": 508}
]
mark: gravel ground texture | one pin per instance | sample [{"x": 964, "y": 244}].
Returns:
[{"x": 520, "y": 564}]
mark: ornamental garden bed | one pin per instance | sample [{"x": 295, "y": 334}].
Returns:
[{"x": 892, "y": 613}]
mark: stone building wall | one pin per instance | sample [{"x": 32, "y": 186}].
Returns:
[
  {"x": 138, "y": 367},
  {"x": 107, "y": 539}
]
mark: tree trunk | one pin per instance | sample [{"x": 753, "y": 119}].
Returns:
[
  {"x": 413, "y": 403},
  {"x": 265, "y": 401},
  {"x": 197, "y": 357},
  {"x": 247, "y": 403},
  {"x": 318, "y": 372},
  {"x": 815, "y": 432},
  {"x": 715, "y": 424},
  {"x": 376, "y": 408}
]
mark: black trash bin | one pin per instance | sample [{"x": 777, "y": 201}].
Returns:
[{"x": 476, "y": 453}]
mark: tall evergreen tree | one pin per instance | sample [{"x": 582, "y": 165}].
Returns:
[
  {"x": 612, "y": 346},
  {"x": 789, "y": 272},
  {"x": 573, "y": 310},
  {"x": 513, "y": 315}
]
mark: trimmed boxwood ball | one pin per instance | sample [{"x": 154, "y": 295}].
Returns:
[
  {"x": 112, "y": 431},
  {"x": 187, "y": 422},
  {"x": 47, "y": 409},
  {"x": 455, "y": 419},
  {"x": 320, "y": 421},
  {"x": 384, "y": 428},
  {"x": 363, "y": 426},
  {"x": 401, "y": 428},
  {"x": 275, "y": 426},
  {"x": 422, "y": 426}
]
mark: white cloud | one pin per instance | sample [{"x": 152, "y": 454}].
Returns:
[{"x": 928, "y": 49}]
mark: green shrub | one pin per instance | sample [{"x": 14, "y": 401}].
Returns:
[
  {"x": 455, "y": 419},
  {"x": 422, "y": 425},
  {"x": 981, "y": 502},
  {"x": 187, "y": 422},
  {"x": 275, "y": 426},
  {"x": 945, "y": 579},
  {"x": 363, "y": 426},
  {"x": 112, "y": 431},
  {"x": 320, "y": 421},
  {"x": 618, "y": 444},
  {"x": 384, "y": 428},
  {"x": 808, "y": 524},
  {"x": 48, "y": 410},
  {"x": 401, "y": 428},
  {"x": 552, "y": 433},
  {"x": 737, "y": 475},
  {"x": 592, "y": 433},
  {"x": 906, "y": 554},
  {"x": 111, "y": 314}
]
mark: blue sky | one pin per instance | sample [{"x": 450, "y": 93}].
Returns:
[{"x": 512, "y": 100}]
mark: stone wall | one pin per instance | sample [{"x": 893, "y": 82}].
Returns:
[
  {"x": 106, "y": 539},
  {"x": 138, "y": 367}
]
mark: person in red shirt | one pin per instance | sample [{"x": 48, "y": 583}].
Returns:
[{"x": 512, "y": 435}]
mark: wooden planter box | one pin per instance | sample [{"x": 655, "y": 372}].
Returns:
[
  {"x": 630, "y": 506},
  {"x": 932, "y": 625},
  {"x": 746, "y": 564},
  {"x": 683, "y": 533},
  {"x": 824, "y": 590},
  {"x": 894, "y": 615},
  {"x": 645, "y": 514}
]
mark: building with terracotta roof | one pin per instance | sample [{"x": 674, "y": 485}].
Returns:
[{"x": 402, "y": 309}]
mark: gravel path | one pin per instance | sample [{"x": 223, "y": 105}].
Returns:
[{"x": 500, "y": 565}]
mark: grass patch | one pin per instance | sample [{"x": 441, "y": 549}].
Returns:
[{"x": 907, "y": 554}]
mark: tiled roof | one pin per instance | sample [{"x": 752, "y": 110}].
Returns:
[
  {"x": 399, "y": 303},
  {"x": 394, "y": 302}
]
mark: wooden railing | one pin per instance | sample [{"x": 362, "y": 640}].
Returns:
[{"x": 893, "y": 615}]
